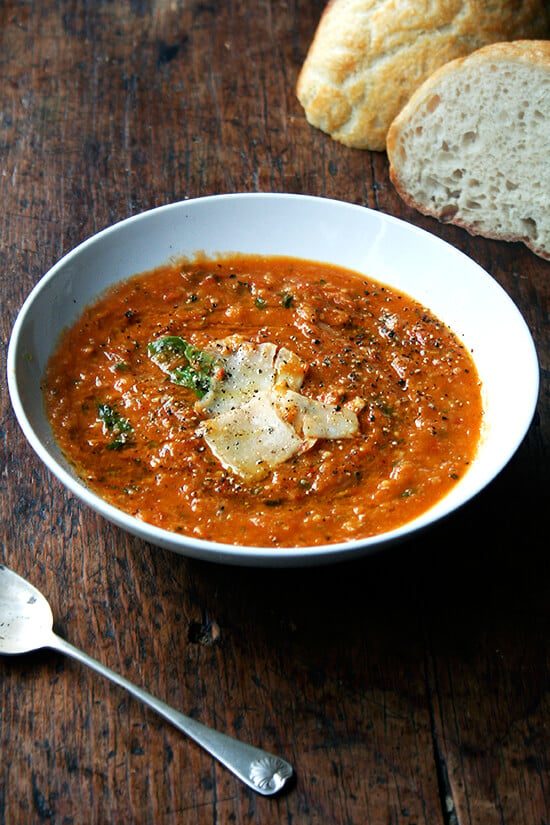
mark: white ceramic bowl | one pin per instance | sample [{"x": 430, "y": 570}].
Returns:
[{"x": 449, "y": 283}]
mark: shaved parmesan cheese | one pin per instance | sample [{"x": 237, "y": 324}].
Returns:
[
  {"x": 256, "y": 418},
  {"x": 249, "y": 369},
  {"x": 252, "y": 439},
  {"x": 314, "y": 419},
  {"x": 289, "y": 370}
]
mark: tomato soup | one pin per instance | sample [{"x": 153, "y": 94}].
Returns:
[{"x": 264, "y": 402}]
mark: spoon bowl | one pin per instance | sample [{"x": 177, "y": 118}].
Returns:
[
  {"x": 26, "y": 624},
  {"x": 25, "y": 616}
]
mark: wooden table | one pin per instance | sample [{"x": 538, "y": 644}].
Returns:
[{"x": 412, "y": 687}]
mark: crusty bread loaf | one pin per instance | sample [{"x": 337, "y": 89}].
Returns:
[
  {"x": 368, "y": 56},
  {"x": 472, "y": 146}
]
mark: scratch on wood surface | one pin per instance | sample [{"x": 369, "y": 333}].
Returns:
[
  {"x": 446, "y": 796},
  {"x": 450, "y": 815}
]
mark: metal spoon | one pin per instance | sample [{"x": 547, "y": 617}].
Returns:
[{"x": 26, "y": 623}]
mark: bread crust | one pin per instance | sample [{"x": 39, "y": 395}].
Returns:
[
  {"x": 514, "y": 150},
  {"x": 368, "y": 56}
]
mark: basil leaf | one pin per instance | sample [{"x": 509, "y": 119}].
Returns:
[
  {"x": 119, "y": 427},
  {"x": 184, "y": 363}
]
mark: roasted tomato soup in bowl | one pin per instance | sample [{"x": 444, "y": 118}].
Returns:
[{"x": 271, "y": 379}]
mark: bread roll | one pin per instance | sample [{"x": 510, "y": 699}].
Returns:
[
  {"x": 472, "y": 146},
  {"x": 368, "y": 56}
]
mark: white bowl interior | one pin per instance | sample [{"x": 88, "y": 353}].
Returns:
[{"x": 386, "y": 249}]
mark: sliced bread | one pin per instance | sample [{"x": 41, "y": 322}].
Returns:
[
  {"x": 368, "y": 56},
  {"x": 472, "y": 146}
]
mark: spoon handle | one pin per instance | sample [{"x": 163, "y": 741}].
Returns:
[{"x": 264, "y": 773}]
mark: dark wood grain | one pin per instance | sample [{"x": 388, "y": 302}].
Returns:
[{"x": 410, "y": 688}]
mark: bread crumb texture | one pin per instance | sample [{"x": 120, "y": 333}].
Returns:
[
  {"x": 368, "y": 56},
  {"x": 472, "y": 146}
]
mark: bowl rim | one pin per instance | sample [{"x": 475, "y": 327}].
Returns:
[{"x": 248, "y": 555}]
